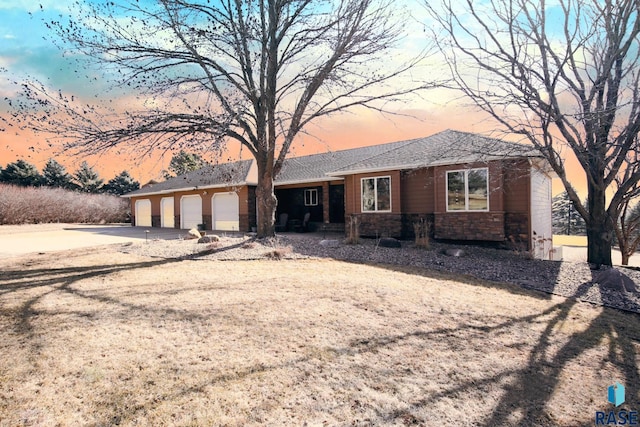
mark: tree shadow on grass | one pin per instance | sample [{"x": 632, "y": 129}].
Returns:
[
  {"x": 534, "y": 385},
  {"x": 42, "y": 282},
  {"x": 529, "y": 389}
]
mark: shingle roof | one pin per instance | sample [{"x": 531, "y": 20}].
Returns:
[
  {"x": 447, "y": 147},
  {"x": 224, "y": 174},
  {"x": 315, "y": 167}
]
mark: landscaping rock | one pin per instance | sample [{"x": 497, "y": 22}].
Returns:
[
  {"x": 193, "y": 234},
  {"x": 329, "y": 243},
  {"x": 389, "y": 242},
  {"x": 564, "y": 278},
  {"x": 454, "y": 252},
  {"x": 614, "y": 279},
  {"x": 209, "y": 239}
]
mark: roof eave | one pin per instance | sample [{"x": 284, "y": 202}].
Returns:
[
  {"x": 375, "y": 170},
  {"x": 307, "y": 181},
  {"x": 191, "y": 188},
  {"x": 424, "y": 165}
]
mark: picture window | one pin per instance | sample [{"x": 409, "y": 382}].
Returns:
[
  {"x": 468, "y": 190},
  {"x": 376, "y": 194}
]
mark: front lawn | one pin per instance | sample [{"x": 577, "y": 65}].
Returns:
[{"x": 98, "y": 337}]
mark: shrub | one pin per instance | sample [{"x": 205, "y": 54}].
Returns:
[
  {"x": 279, "y": 253},
  {"x": 421, "y": 231},
  {"x": 29, "y": 205},
  {"x": 353, "y": 230}
]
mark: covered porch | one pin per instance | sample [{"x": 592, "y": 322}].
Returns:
[{"x": 323, "y": 202}]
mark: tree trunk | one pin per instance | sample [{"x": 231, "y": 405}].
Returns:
[
  {"x": 625, "y": 258},
  {"x": 600, "y": 227},
  {"x": 266, "y": 201}
]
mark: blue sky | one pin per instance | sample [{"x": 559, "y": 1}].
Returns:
[{"x": 23, "y": 47}]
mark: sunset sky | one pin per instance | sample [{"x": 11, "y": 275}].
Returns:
[{"x": 26, "y": 49}]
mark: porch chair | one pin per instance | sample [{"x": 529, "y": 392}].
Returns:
[
  {"x": 282, "y": 223},
  {"x": 301, "y": 228}
]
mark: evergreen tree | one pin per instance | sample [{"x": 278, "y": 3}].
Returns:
[
  {"x": 21, "y": 173},
  {"x": 55, "y": 175},
  {"x": 121, "y": 184},
  {"x": 88, "y": 179},
  {"x": 184, "y": 162},
  {"x": 566, "y": 219}
]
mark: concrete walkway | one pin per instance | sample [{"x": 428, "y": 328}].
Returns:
[{"x": 574, "y": 248}]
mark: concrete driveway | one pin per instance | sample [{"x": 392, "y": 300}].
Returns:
[{"x": 23, "y": 239}]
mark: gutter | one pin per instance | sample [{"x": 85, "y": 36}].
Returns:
[
  {"x": 194, "y": 188},
  {"x": 420, "y": 165}
]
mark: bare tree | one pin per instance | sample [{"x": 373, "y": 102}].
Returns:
[
  {"x": 254, "y": 71},
  {"x": 563, "y": 75},
  {"x": 628, "y": 223},
  {"x": 628, "y": 231}
]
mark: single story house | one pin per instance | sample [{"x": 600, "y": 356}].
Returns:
[{"x": 467, "y": 186}]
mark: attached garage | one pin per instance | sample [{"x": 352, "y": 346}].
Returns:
[
  {"x": 225, "y": 208},
  {"x": 166, "y": 213},
  {"x": 143, "y": 213},
  {"x": 190, "y": 211}
]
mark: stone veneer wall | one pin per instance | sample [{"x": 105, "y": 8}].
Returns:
[
  {"x": 379, "y": 224},
  {"x": 470, "y": 226},
  {"x": 409, "y": 219},
  {"x": 155, "y": 221},
  {"x": 516, "y": 226}
]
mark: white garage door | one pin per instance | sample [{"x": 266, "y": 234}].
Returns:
[
  {"x": 143, "y": 213},
  {"x": 190, "y": 211},
  {"x": 226, "y": 211},
  {"x": 166, "y": 213}
]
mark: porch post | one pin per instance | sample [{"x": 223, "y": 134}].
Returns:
[{"x": 325, "y": 203}]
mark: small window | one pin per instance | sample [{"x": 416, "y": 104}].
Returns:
[
  {"x": 468, "y": 190},
  {"x": 311, "y": 197},
  {"x": 376, "y": 194}
]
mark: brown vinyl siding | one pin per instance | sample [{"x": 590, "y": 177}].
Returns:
[
  {"x": 516, "y": 186},
  {"x": 491, "y": 225},
  {"x": 418, "y": 189}
]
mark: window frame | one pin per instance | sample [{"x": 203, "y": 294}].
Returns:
[
  {"x": 375, "y": 194},
  {"x": 313, "y": 193},
  {"x": 466, "y": 190}
]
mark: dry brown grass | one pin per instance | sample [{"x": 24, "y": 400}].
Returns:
[{"x": 96, "y": 337}]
